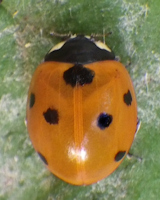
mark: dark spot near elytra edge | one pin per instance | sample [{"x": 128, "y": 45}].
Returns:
[
  {"x": 32, "y": 100},
  {"x": 127, "y": 98},
  {"x": 51, "y": 116},
  {"x": 42, "y": 158},
  {"x": 120, "y": 155}
]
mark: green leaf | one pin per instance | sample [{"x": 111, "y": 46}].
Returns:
[{"x": 25, "y": 28}]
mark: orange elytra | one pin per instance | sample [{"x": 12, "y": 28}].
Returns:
[{"x": 81, "y": 111}]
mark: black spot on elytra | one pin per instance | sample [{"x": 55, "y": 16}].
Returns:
[
  {"x": 104, "y": 120},
  {"x": 120, "y": 155},
  {"x": 51, "y": 116},
  {"x": 32, "y": 100},
  {"x": 127, "y": 98},
  {"x": 42, "y": 158},
  {"x": 78, "y": 75}
]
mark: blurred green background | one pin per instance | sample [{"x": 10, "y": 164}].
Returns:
[{"x": 25, "y": 38}]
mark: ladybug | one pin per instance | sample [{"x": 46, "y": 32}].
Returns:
[{"x": 81, "y": 111}]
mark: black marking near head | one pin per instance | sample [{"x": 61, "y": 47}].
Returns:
[
  {"x": 78, "y": 75},
  {"x": 51, "y": 116},
  {"x": 104, "y": 120},
  {"x": 79, "y": 50},
  {"x": 127, "y": 98},
  {"x": 32, "y": 100},
  {"x": 119, "y": 155},
  {"x": 42, "y": 158}
]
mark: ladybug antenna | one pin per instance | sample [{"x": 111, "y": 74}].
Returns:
[
  {"x": 97, "y": 36},
  {"x": 64, "y": 36}
]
